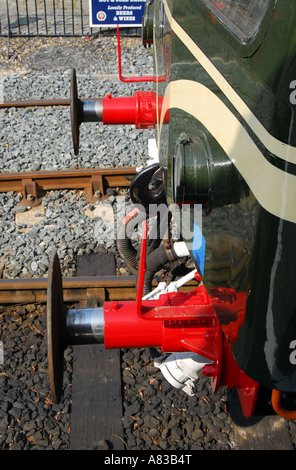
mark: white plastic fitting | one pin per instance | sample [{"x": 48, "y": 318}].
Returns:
[
  {"x": 174, "y": 286},
  {"x": 181, "y": 369},
  {"x": 181, "y": 249}
]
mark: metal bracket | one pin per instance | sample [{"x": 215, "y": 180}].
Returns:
[
  {"x": 32, "y": 194},
  {"x": 95, "y": 190}
]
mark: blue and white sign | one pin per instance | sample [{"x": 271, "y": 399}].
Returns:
[{"x": 110, "y": 13}]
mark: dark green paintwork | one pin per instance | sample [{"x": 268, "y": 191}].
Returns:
[{"x": 247, "y": 248}]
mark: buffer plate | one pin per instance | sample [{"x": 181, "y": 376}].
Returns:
[
  {"x": 55, "y": 328},
  {"x": 75, "y": 112}
]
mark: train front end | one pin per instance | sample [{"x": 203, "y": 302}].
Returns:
[{"x": 222, "y": 194}]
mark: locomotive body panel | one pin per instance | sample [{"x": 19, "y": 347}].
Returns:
[{"x": 230, "y": 96}]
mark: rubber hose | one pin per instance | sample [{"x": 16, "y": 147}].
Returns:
[
  {"x": 155, "y": 236},
  {"x": 124, "y": 244},
  {"x": 154, "y": 261}
]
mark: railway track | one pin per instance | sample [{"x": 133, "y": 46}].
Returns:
[
  {"x": 35, "y": 103},
  {"x": 100, "y": 422},
  {"x": 95, "y": 182},
  {"x": 86, "y": 290},
  {"x": 90, "y": 290},
  {"x": 13, "y": 291}
]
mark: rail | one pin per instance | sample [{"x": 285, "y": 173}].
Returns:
[
  {"x": 94, "y": 182},
  {"x": 76, "y": 289}
]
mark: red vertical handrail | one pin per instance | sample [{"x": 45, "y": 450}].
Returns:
[
  {"x": 141, "y": 269},
  {"x": 147, "y": 78}
]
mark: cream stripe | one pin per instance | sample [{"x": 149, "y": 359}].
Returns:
[
  {"x": 156, "y": 84},
  {"x": 280, "y": 149},
  {"x": 274, "y": 189}
]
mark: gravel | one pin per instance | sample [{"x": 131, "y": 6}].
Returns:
[
  {"x": 40, "y": 138},
  {"x": 33, "y": 139},
  {"x": 65, "y": 222},
  {"x": 28, "y": 419},
  {"x": 156, "y": 416}
]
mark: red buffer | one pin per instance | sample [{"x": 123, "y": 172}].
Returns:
[
  {"x": 177, "y": 322},
  {"x": 140, "y": 110}
]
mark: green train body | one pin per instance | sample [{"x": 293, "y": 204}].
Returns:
[
  {"x": 223, "y": 107},
  {"x": 226, "y": 71}
]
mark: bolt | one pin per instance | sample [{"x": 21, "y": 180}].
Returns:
[
  {"x": 209, "y": 370},
  {"x": 115, "y": 305}
]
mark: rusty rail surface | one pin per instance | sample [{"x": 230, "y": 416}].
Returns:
[
  {"x": 14, "y": 291},
  {"x": 35, "y": 103},
  {"x": 38, "y": 103},
  {"x": 94, "y": 182}
]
